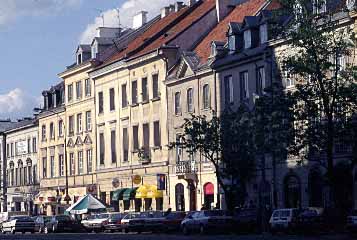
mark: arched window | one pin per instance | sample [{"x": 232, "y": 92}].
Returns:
[
  {"x": 208, "y": 190},
  {"x": 19, "y": 172},
  {"x": 177, "y": 103},
  {"x": 315, "y": 188},
  {"x": 206, "y": 97},
  {"x": 52, "y": 131},
  {"x": 292, "y": 192},
  {"x": 180, "y": 197}
]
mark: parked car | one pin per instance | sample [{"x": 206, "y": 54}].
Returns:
[
  {"x": 245, "y": 220},
  {"x": 207, "y": 220},
  {"x": 125, "y": 221},
  {"x": 172, "y": 222},
  {"x": 310, "y": 221},
  {"x": 114, "y": 222},
  {"x": 352, "y": 222},
  {"x": 147, "y": 221},
  {"x": 40, "y": 222},
  {"x": 18, "y": 224},
  {"x": 284, "y": 220},
  {"x": 62, "y": 223},
  {"x": 96, "y": 222}
]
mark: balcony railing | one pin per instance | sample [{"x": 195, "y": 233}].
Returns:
[{"x": 185, "y": 167}]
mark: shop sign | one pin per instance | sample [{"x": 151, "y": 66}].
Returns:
[
  {"x": 92, "y": 189},
  {"x": 161, "y": 182},
  {"x": 21, "y": 147},
  {"x": 136, "y": 179}
]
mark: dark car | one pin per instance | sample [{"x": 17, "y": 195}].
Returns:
[
  {"x": 146, "y": 221},
  {"x": 18, "y": 224},
  {"x": 125, "y": 221},
  {"x": 172, "y": 222},
  {"x": 62, "y": 223},
  {"x": 207, "y": 221},
  {"x": 309, "y": 221},
  {"x": 114, "y": 222},
  {"x": 245, "y": 220}
]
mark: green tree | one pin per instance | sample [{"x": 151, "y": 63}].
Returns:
[
  {"x": 318, "y": 59},
  {"x": 226, "y": 142}
]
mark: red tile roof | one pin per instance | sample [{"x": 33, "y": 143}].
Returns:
[
  {"x": 249, "y": 8},
  {"x": 164, "y": 30}
]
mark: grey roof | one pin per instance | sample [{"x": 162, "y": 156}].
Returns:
[
  {"x": 234, "y": 27},
  {"x": 192, "y": 59},
  {"x": 103, "y": 40},
  {"x": 20, "y": 124},
  {"x": 84, "y": 47},
  {"x": 6, "y": 125}
]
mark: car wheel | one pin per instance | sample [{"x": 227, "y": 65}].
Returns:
[
  {"x": 185, "y": 230},
  {"x": 202, "y": 229},
  {"x": 45, "y": 230},
  {"x": 3, "y": 231},
  {"x": 12, "y": 230},
  {"x": 53, "y": 229}
]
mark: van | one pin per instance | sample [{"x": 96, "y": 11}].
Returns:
[{"x": 284, "y": 220}]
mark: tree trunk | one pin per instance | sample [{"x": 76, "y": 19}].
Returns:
[{"x": 330, "y": 161}]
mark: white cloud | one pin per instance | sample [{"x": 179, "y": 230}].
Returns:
[
  {"x": 11, "y": 9},
  {"x": 127, "y": 11},
  {"x": 17, "y": 103}
]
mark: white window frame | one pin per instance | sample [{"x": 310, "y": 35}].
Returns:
[
  {"x": 80, "y": 162},
  {"x": 247, "y": 39},
  {"x": 88, "y": 120},
  {"x": 263, "y": 32},
  {"x": 79, "y": 123}
]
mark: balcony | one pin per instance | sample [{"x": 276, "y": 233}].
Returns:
[{"x": 186, "y": 167}]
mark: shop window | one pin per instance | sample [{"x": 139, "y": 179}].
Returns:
[{"x": 208, "y": 190}]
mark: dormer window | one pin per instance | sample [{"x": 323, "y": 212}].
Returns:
[
  {"x": 247, "y": 39},
  {"x": 319, "y": 6},
  {"x": 263, "y": 32},
  {"x": 350, "y": 4},
  {"x": 94, "y": 50},
  {"x": 232, "y": 43},
  {"x": 79, "y": 58}
]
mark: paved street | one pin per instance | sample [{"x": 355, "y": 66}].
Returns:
[{"x": 119, "y": 236}]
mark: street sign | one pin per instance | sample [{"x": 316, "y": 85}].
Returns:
[{"x": 136, "y": 179}]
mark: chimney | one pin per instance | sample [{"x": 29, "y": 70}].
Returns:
[
  {"x": 165, "y": 11},
  {"x": 178, "y": 6},
  {"x": 223, "y": 7},
  {"x": 191, "y": 2},
  {"x": 140, "y": 19},
  {"x": 108, "y": 32},
  {"x": 172, "y": 8}
]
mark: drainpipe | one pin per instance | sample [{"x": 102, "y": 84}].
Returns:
[{"x": 216, "y": 112}]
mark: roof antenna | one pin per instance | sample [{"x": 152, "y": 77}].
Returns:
[
  {"x": 101, "y": 14},
  {"x": 118, "y": 16}
]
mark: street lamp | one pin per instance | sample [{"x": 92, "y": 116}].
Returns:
[{"x": 67, "y": 198}]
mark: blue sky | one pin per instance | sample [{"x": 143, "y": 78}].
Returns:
[{"x": 39, "y": 38}]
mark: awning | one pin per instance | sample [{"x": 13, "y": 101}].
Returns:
[
  {"x": 129, "y": 193},
  {"x": 142, "y": 191},
  {"x": 154, "y": 193},
  {"x": 85, "y": 204},
  {"x": 118, "y": 194}
]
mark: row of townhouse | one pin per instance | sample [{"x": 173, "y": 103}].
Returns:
[{"x": 106, "y": 127}]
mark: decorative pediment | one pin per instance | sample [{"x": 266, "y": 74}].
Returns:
[
  {"x": 88, "y": 140},
  {"x": 79, "y": 141},
  {"x": 70, "y": 143}
]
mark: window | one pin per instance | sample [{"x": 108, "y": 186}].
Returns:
[
  {"x": 34, "y": 145},
  {"x": 341, "y": 62},
  {"x": 12, "y": 149},
  {"x": 124, "y": 98},
  {"x": 157, "y": 137},
  {"x": 100, "y": 103},
  {"x": 146, "y": 137},
  {"x": 228, "y": 89},
  {"x": 79, "y": 123},
  {"x": 70, "y": 92},
  {"x": 71, "y": 125},
  {"x": 111, "y": 99},
  {"x": 177, "y": 103},
  {"x": 88, "y": 121},
  {"x": 52, "y": 166},
  {"x": 125, "y": 145},
  {"x": 44, "y": 167},
  {"x": 179, "y": 150},
  {"x": 101, "y": 148},
  {"x": 79, "y": 90},
  {"x": 260, "y": 80},
  {"x": 135, "y": 138},
  {"x": 144, "y": 88},
  {"x": 190, "y": 100},
  {"x": 289, "y": 79},
  {"x": 113, "y": 146},
  {"x": 80, "y": 162},
  {"x": 61, "y": 165},
  {"x": 7, "y": 150},
  {"x": 79, "y": 58},
  {"x": 206, "y": 97},
  {"x": 87, "y": 87},
  {"x": 28, "y": 146},
  {"x": 319, "y": 6},
  {"x": 89, "y": 161},
  {"x": 94, "y": 50},
  {"x": 60, "y": 128},
  {"x": 247, "y": 39},
  {"x": 43, "y": 133},
  {"x": 263, "y": 31},
  {"x": 155, "y": 86},
  {"x": 71, "y": 164},
  {"x": 134, "y": 92},
  {"x": 244, "y": 93},
  {"x": 52, "y": 131}
]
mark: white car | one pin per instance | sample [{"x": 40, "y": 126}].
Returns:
[
  {"x": 18, "y": 224},
  {"x": 283, "y": 220},
  {"x": 96, "y": 222}
]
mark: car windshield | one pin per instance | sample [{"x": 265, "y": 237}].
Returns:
[
  {"x": 115, "y": 216},
  {"x": 285, "y": 213},
  {"x": 102, "y": 216},
  {"x": 22, "y": 218},
  {"x": 63, "y": 218},
  {"x": 214, "y": 213}
]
